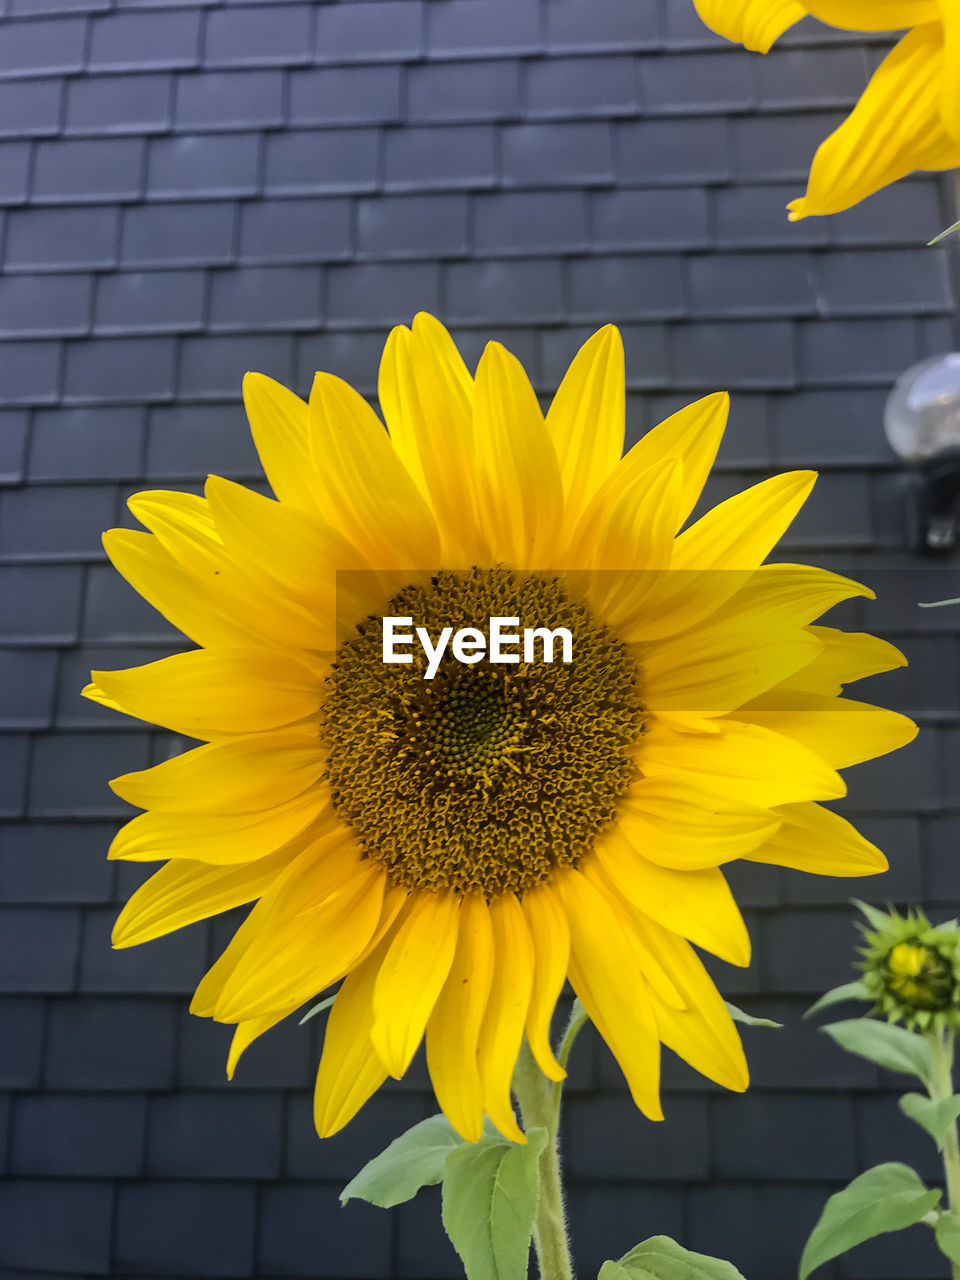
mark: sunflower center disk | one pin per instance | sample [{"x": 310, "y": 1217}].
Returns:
[{"x": 486, "y": 777}]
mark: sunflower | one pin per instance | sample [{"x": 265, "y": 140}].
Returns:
[
  {"x": 451, "y": 850},
  {"x": 908, "y": 116}
]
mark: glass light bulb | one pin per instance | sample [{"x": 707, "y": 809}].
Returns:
[{"x": 922, "y": 416}]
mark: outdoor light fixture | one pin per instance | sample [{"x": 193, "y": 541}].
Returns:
[{"x": 922, "y": 421}]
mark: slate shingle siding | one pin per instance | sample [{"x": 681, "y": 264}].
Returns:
[{"x": 194, "y": 189}]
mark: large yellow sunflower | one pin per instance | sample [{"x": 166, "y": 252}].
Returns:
[
  {"x": 454, "y": 848},
  {"x": 908, "y": 116}
]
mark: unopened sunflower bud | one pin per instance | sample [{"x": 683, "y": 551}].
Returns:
[{"x": 912, "y": 969}]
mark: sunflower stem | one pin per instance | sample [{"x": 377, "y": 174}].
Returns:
[
  {"x": 941, "y": 1087},
  {"x": 539, "y": 1100}
]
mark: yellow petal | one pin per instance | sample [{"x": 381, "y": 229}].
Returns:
[
  {"x": 153, "y": 837},
  {"x": 242, "y": 776},
  {"x": 184, "y": 891},
  {"x": 586, "y": 419},
  {"x": 753, "y": 763},
  {"x": 817, "y": 840},
  {"x": 550, "y": 934},
  {"x": 412, "y": 976},
  {"x": 426, "y": 395},
  {"x": 350, "y": 1071},
  {"x": 696, "y": 904},
  {"x": 280, "y": 425},
  {"x": 846, "y": 656},
  {"x": 454, "y": 1027},
  {"x": 896, "y": 127},
  {"x": 518, "y": 478},
  {"x": 368, "y": 494},
  {"x": 874, "y": 15},
  {"x": 703, "y": 1033},
  {"x": 757, "y": 24},
  {"x": 788, "y": 594},
  {"x": 741, "y": 532},
  {"x": 840, "y": 731},
  {"x": 291, "y": 962},
  {"x": 606, "y": 976},
  {"x": 950, "y": 104},
  {"x": 207, "y": 692},
  {"x": 245, "y": 1035},
  {"x": 502, "y": 1032},
  {"x": 681, "y": 823}
]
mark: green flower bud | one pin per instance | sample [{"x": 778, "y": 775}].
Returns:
[{"x": 912, "y": 969}]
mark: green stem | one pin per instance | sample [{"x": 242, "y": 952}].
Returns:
[
  {"x": 539, "y": 1100},
  {"x": 941, "y": 1087}
]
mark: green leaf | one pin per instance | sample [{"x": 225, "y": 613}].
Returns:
[
  {"x": 892, "y": 1047},
  {"x": 661, "y": 1258},
  {"x": 416, "y": 1159},
  {"x": 839, "y": 995},
  {"x": 748, "y": 1020},
  {"x": 491, "y": 1189},
  {"x": 947, "y": 1231},
  {"x": 936, "y": 1117},
  {"x": 318, "y": 1008},
  {"x": 887, "y": 1198},
  {"x": 878, "y": 918},
  {"x": 936, "y": 240}
]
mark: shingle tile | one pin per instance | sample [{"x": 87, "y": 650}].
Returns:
[
  {"x": 745, "y": 354},
  {"x": 505, "y": 292},
  {"x": 71, "y": 770},
  {"x": 441, "y": 158},
  {"x": 38, "y": 949},
  {"x": 15, "y": 165},
  {"x": 116, "y": 1043},
  {"x": 27, "y": 678},
  {"x": 44, "y": 306},
  {"x": 296, "y": 230},
  {"x": 111, "y": 369},
  {"x": 55, "y": 862},
  {"x": 86, "y": 444},
  {"x": 22, "y": 8},
  {"x": 215, "y": 1135},
  {"x": 857, "y": 351},
  {"x": 39, "y": 604},
  {"x": 298, "y": 1224},
  {"x": 265, "y": 298},
  {"x": 345, "y": 95},
  {"x": 561, "y": 88},
  {"x": 818, "y": 1131},
  {"x": 88, "y": 170},
  {"x": 170, "y": 965},
  {"x": 906, "y": 213},
  {"x": 412, "y": 226},
  {"x": 229, "y": 100},
  {"x": 51, "y": 47},
  {"x": 664, "y": 219},
  {"x": 144, "y": 41},
  {"x": 778, "y": 148},
  {"x": 389, "y": 31},
  {"x": 613, "y": 1219},
  {"x": 644, "y": 347},
  {"x": 286, "y": 1058},
  {"x": 561, "y": 154},
  {"x": 21, "y": 1041},
  {"x": 40, "y": 521},
  {"x": 178, "y": 235},
  {"x": 194, "y": 165},
  {"x": 447, "y": 92},
  {"x": 213, "y": 367},
  {"x": 61, "y": 1135},
  {"x": 319, "y": 161},
  {"x": 259, "y": 35},
  {"x": 352, "y": 356},
  {"x": 310, "y": 1157},
  {"x": 378, "y": 294},
  {"x": 115, "y": 613},
  {"x": 784, "y": 82},
  {"x": 30, "y": 372},
  {"x": 751, "y": 284},
  {"x": 697, "y": 84},
  {"x": 30, "y": 108},
  {"x": 606, "y": 1142},
  {"x": 663, "y": 152},
  {"x": 56, "y": 1225},
  {"x": 13, "y": 445},
  {"x": 579, "y": 26},
  {"x": 14, "y": 761},
  {"x": 57, "y": 239},
  {"x": 186, "y": 1228},
  {"x": 138, "y": 103},
  {"x": 190, "y": 440},
  {"x": 881, "y": 283},
  {"x": 479, "y": 28},
  {"x": 750, "y": 217},
  {"x": 521, "y": 223},
  {"x": 619, "y": 288},
  {"x": 150, "y": 302}
]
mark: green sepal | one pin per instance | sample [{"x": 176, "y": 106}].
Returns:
[
  {"x": 930, "y": 243},
  {"x": 748, "y": 1020},
  {"x": 938, "y": 1118},
  {"x": 840, "y": 995},
  {"x": 661, "y": 1258},
  {"x": 416, "y": 1159},
  {"x": 888, "y": 1046},
  {"x": 491, "y": 1190},
  {"x": 318, "y": 1008},
  {"x": 886, "y": 1198},
  {"x": 947, "y": 1231}
]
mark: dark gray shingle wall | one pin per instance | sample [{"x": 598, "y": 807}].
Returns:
[{"x": 193, "y": 190}]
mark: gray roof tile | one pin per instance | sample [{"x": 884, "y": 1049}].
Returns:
[
  {"x": 21, "y": 1047},
  {"x": 653, "y": 219},
  {"x": 265, "y": 298},
  {"x": 259, "y": 35},
  {"x": 449, "y": 92},
  {"x": 878, "y": 283},
  {"x": 229, "y": 100},
  {"x": 150, "y": 302},
  {"x": 696, "y": 84},
  {"x": 38, "y": 949},
  {"x": 381, "y": 293},
  {"x": 184, "y": 234},
  {"x": 193, "y": 165},
  {"x": 203, "y": 1135},
  {"x": 507, "y": 291},
  {"x": 94, "y": 170},
  {"x": 451, "y": 156},
  {"x": 412, "y": 226},
  {"x": 172, "y": 966},
  {"x": 345, "y": 95},
  {"x": 30, "y": 107},
  {"x": 580, "y": 26},
  {"x": 317, "y": 230},
  {"x": 14, "y": 761},
  {"x": 28, "y": 677},
  {"x": 479, "y": 28},
  {"x": 55, "y": 862},
  {"x": 188, "y": 440},
  {"x": 57, "y": 1225},
  {"x": 528, "y": 223},
  {"x": 561, "y": 88},
  {"x": 620, "y": 288},
  {"x": 751, "y": 284},
  {"x": 42, "y": 48},
  {"x": 382, "y": 31},
  {"x": 557, "y": 154},
  {"x": 138, "y": 103},
  {"x": 202, "y": 1229},
  {"x": 784, "y": 82},
  {"x": 111, "y": 369},
  {"x": 147, "y": 41},
  {"x": 661, "y": 152},
  {"x": 213, "y": 368},
  {"x": 13, "y": 445},
  {"x": 355, "y": 1243},
  {"x": 70, "y": 1137},
  {"x": 322, "y": 161},
  {"x": 15, "y": 166},
  {"x": 58, "y": 239},
  {"x": 30, "y": 372},
  {"x": 44, "y": 306}
]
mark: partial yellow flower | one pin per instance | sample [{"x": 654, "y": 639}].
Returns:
[
  {"x": 452, "y": 850},
  {"x": 909, "y": 114}
]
